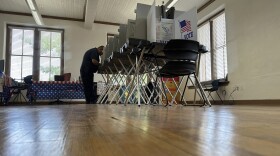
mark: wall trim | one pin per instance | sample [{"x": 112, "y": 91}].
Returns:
[
  {"x": 205, "y": 5},
  {"x": 267, "y": 102},
  {"x": 44, "y": 16},
  {"x": 257, "y": 102},
  {"x": 18, "y": 103},
  {"x": 190, "y": 103},
  {"x": 107, "y": 23},
  {"x": 211, "y": 18},
  {"x": 58, "y": 18}
]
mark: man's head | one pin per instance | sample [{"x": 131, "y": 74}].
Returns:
[{"x": 100, "y": 50}]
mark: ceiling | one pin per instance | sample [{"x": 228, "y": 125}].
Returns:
[{"x": 112, "y": 11}]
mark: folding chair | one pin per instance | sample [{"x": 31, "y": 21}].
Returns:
[
  {"x": 214, "y": 88},
  {"x": 183, "y": 56}
]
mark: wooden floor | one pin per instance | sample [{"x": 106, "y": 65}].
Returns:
[{"x": 94, "y": 130}]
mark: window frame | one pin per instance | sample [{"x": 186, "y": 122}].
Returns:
[
  {"x": 36, "y": 47},
  {"x": 212, "y": 48}
]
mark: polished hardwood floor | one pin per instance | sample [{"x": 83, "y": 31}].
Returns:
[{"x": 81, "y": 130}]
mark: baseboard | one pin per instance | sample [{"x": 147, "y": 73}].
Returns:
[
  {"x": 231, "y": 102},
  {"x": 242, "y": 102},
  {"x": 257, "y": 102},
  {"x": 41, "y": 103},
  {"x": 225, "y": 102}
]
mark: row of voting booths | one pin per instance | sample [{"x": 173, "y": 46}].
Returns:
[{"x": 133, "y": 57}]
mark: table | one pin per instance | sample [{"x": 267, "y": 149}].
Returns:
[{"x": 55, "y": 90}]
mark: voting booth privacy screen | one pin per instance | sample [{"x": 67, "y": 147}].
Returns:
[{"x": 162, "y": 30}]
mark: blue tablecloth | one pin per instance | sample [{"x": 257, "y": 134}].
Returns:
[
  {"x": 5, "y": 95},
  {"x": 44, "y": 90}
]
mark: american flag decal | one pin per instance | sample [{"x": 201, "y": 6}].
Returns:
[{"x": 185, "y": 26}]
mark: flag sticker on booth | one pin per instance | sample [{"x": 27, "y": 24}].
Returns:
[
  {"x": 185, "y": 26},
  {"x": 186, "y": 29}
]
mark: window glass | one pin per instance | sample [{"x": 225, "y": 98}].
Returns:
[
  {"x": 56, "y": 44},
  {"x": 27, "y": 65},
  {"x": 213, "y": 64},
  {"x": 45, "y": 69},
  {"x": 28, "y": 41},
  {"x": 205, "y": 61},
  {"x": 219, "y": 40},
  {"x": 17, "y": 36},
  {"x": 16, "y": 67},
  {"x": 45, "y": 46},
  {"x": 22, "y": 43},
  {"x": 51, "y": 50}
]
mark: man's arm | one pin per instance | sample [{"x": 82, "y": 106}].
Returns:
[{"x": 95, "y": 62}]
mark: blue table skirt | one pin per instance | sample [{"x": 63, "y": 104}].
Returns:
[
  {"x": 48, "y": 90},
  {"x": 5, "y": 95}
]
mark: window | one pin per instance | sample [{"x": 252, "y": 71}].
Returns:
[
  {"x": 203, "y": 35},
  {"x": 50, "y": 55},
  {"x": 212, "y": 34},
  {"x": 34, "y": 51},
  {"x": 21, "y": 53}
]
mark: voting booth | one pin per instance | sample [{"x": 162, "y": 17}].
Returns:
[{"x": 136, "y": 51}]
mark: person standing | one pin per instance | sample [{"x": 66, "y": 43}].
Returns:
[{"x": 88, "y": 68}]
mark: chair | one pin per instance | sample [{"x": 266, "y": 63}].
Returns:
[
  {"x": 28, "y": 82},
  {"x": 63, "y": 77},
  {"x": 28, "y": 79},
  {"x": 17, "y": 90},
  {"x": 58, "y": 77},
  {"x": 19, "y": 87},
  {"x": 183, "y": 56},
  {"x": 215, "y": 88},
  {"x": 67, "y": 76}
]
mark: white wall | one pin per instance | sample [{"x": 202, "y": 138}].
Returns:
[
  {"x": 253, "y": 37},
  {"x": 77, "y": 39}
]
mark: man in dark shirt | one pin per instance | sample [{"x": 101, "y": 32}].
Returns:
[{"x": 88, "y": 68}]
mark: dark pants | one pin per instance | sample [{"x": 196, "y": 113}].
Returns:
[{"x": 87, "y": 79}]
